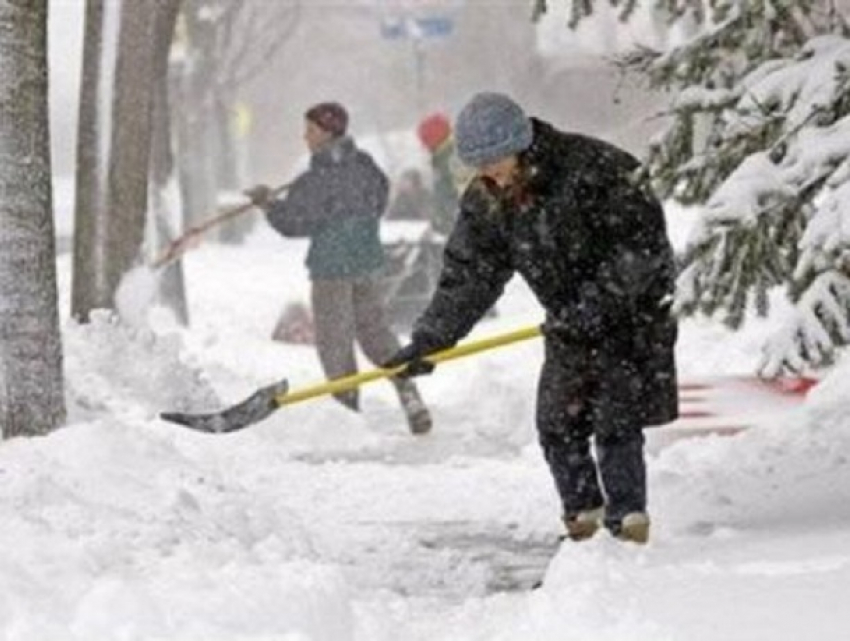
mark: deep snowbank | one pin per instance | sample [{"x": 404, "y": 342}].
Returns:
[{"x": 311, "y": 525}]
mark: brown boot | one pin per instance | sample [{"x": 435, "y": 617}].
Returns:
[
  {"x": 418, "y": 416},
  {"x": 584, "y": 525}
]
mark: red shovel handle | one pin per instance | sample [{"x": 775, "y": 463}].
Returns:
[{"x": 192, "y": 237}]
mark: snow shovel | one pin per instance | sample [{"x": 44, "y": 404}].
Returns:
[
  {"x": 179, "y": 246},
  {"x": 266, "y": 400}
]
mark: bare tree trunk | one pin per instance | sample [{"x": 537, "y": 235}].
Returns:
[
  {"x": 31, "y": 385},
  {"x": 166, "y": 226},
  {"x": 227, "y": 169},
  {"x": 130, "y": 142},
  {"x": 114, "y": 145},
  {"x": 90, "y": 196},
  {"x": 197, "y": 165}
]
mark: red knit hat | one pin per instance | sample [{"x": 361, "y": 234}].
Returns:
[
  {"x": 434, "y": 130},
  {"x": 330, "y": 116}
]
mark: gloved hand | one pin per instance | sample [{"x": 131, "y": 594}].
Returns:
[
  {"x": 260, "y": 195},
  {"x": 414, "y": 355}
]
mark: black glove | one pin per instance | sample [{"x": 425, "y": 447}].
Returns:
[
  {"x": 260, "y": 195},
  {"x": 413, "y": 355}
]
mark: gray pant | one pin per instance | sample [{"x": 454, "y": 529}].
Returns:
[{"x": 345, "y": 311}]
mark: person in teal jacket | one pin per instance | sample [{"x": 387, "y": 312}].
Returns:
[{"x": 338, "y": 203}]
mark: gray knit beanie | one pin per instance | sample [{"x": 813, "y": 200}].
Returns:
[{"x": 491, "y": 127}]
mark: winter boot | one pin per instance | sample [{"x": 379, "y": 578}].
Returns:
[
  {"x": 418, "y": 416},
  {"x": 634, "y": 528},
  {"x": 583, "y": 525}
]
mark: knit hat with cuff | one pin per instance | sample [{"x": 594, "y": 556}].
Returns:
[{"x": 491, "y": 127}]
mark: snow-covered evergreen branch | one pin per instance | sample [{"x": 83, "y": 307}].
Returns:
[
  {"x": 758, "y": 134},
  {"x": 776, "y": 219}
]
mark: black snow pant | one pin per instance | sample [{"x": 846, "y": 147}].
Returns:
[{"x": 567, "y": 421}]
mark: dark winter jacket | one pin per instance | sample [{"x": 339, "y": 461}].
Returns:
[
  {"x": 337, "y": 203},
  {"x": 592, "y": 245}
]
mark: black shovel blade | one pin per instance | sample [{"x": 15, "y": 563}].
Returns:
[{"x": 253, "y": 409}]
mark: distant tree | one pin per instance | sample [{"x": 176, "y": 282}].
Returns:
[
  {"x": 31, "y": 385},
  {"x": 226, "y": 44},
  {"x": 114, "y": 144},
  {"x": 90, "y": 191},
  {"x": 758, "y": 135},
  {"x": 163, "y": 218}
]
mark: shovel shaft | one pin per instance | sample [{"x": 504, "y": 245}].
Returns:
[
  {"x": 356, "y": 380},
  {"x": 177, "y": 247}
]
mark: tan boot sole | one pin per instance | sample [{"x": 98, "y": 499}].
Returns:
[{"x": 636, "y": 532}]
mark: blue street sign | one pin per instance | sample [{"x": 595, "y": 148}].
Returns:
[
  {"x": 429, "y": 27},
  {"x": 435, "y": 26}
]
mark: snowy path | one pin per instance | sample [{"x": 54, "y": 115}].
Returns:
[
  {"x": 423, "y": 528},
  {"x": 445, "y": 517}
]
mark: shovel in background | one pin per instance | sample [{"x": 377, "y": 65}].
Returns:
[
  {"x": 179, "y": 246},
  {"x": 262, "y": 403}
]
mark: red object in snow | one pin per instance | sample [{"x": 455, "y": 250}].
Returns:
[
  {"x": 434, "y": 130},
  {"x": 800, "y": 385},
  {"x": 295, "y": 325},
  {"x": 727, "y": 405}
]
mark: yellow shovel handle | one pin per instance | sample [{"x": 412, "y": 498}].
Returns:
[{"x": 356, "y": 380}]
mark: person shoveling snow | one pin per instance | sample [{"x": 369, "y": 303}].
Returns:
[{"x": 564, "y": 211}]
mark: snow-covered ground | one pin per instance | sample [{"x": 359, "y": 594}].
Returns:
[{"x": 318, "y": 524}]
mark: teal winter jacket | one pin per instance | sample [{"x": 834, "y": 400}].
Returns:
[{"x": 337, "y": 203}]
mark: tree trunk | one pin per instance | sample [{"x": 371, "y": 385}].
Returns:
[
  {"x": 90, "y": 186},
  {"x": 196, "y": 168},
  {"x": 227, "y": 169},
  {"x": 31, "y": 385},
  {"x": 130, "y": 142},
  {"x": 172, "y": 290},
  {"x": 195, "y": 78},
  {"x": 114, "y": 146}
]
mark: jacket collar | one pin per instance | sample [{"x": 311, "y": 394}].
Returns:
[
  {"x": 334, "y": 152},
  {"x": 538, "y": 161}
]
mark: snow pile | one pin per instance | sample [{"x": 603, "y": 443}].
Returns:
[
  {"x": 118, "y": 371},
  {"x": 110, "y": 531},
  {"x": 322, "y": 524},
  {"x": 763, "y": 513},
  {"x": 749, "y": 543},
  {"x": 799, "y": 467},
  {"x": 135, "y": 295}
]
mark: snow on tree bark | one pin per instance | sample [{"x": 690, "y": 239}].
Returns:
[{"x": 31, "y": 385}]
